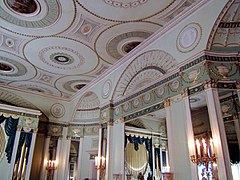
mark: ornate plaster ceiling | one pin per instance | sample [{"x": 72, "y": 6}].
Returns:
[
  {"x": 56, "y": 47},
  {"x": 227, "y": 35}
]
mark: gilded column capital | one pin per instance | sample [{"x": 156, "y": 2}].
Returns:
[
  {"x": 184, "y": 92},
  {"x": 121, "y": 120},
  {"x": 210, "y": 83},
  {"x": 19, "y": 128},
  {"x": 167, "y": 103},
  {"x": 110, "y": 123},
  {"x": 35, "y": 130}
]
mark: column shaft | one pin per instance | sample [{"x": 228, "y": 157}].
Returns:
[{"x": 218, "y": 134}]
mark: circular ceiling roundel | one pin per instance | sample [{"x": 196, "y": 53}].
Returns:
[
  {"x": 36, "y": 16},
  {"x": 60, "y": 56},
  {"x": 127, "y": 10},
  {"x": 115, "y": 42},
  {"x": 14, "y": 68},
  {"x": 189, "y": 37}
]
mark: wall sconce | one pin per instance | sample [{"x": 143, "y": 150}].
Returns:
[
  {"x": 205, "y": 154},
  {"x": 100, "y": 162},
  {"x": 51, "y": 165}
]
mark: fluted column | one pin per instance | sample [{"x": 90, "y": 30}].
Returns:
[{"x": 218, "y": 134}]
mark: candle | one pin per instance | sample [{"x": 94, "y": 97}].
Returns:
[
  {"x": 198, "y": 148},
  {"x": 204, "y": 146},
  {"x": 211, "y": 146}
]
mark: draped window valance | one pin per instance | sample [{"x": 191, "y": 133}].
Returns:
[{"x": 138, "y": 140}]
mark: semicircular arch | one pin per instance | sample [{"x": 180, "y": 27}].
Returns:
[
  {"x": 87, "y": 109},
  {"x": 143, "y": 70}
]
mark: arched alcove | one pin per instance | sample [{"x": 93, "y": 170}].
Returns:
[
  {"x": 88, "y": 109},
  {"x": 143, "y": 70}
]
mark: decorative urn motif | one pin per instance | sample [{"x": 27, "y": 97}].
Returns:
[
  {"x": 193, "y": 75},
  {"x": 223, "y": 70}
]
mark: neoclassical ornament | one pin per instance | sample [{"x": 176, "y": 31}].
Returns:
[
  {"x": 143, "y": 70},
  {"x": 117, "y": 4},
  {"x": 57, "y": 110},
  {"x": 189, "y": 37},
  {"x": 106, "y": 89}
]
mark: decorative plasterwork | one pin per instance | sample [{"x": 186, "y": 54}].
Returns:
[
  {"x": 225, "y": 38},
  {"x": 144, "y": 69},
  {"x": 189, "y": 37},
  {"x": 15, "y": 100},
  {"x": 86, "y": 29},
  {"x": 107, "y": 88},
  {"x": 72, "y": 84},
  {"x": 88, "y": 109},
  {"x": 9, "y": 43},
  {"x": 36, "y": 87},
  {"x": 15, "y": 68},
  {"x": 111, "y": 13},
  {"x": 131, "y": 4},
  {"x": 57, "y": 110},
  {"x": 111, "y": 43},
  {"x": 144, "y": 101},
  {"x": 49, "y": 13},
  {"x": 55, "y": 56}
]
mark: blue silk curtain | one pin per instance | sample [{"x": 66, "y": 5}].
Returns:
[
  {"x": 136, "y": 140},
  {"x": 24, "y": 137},
  {"x": 10, "y": 130}
]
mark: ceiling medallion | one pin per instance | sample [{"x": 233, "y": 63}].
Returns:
[
  {"x": 9, "y": 42},
  {"x": 61, "y": 58},
  {"x": 189, "y": 37},
  {"x": 57, "y": 110},
  {"x": 86, "y": 29},
  {"x": 26, "y": 7},
  {"x": 6, "y": 67}
]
